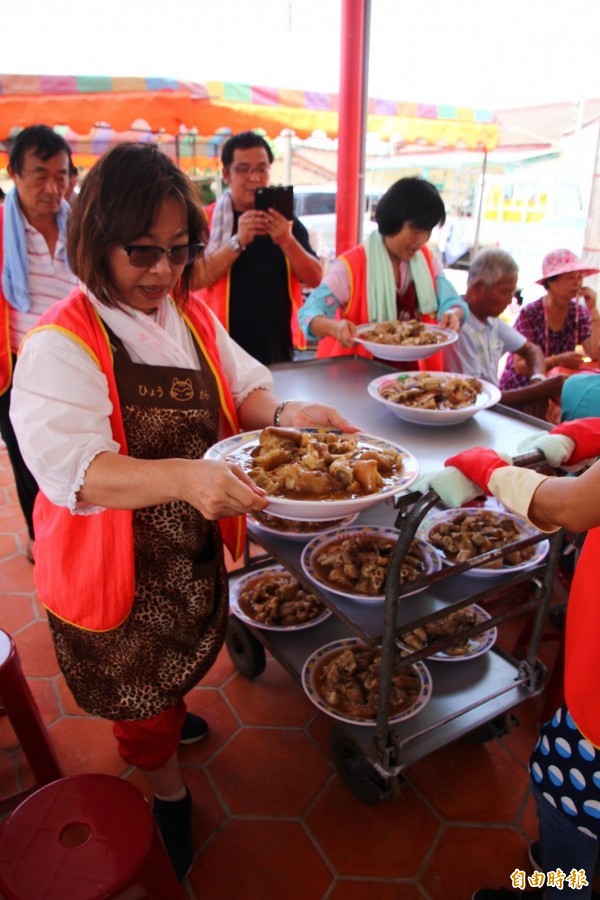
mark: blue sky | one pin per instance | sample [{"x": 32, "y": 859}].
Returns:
[{"x": 464, "y": 52}]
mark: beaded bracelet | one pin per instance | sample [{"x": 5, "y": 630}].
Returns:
[{"x": 278, "y": 411}]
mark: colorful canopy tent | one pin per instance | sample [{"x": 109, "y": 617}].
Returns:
[
  {"x": 189, "y": 120},
  {"x": 82, "y": 101},
  {"x": 92, "y": 113},
  {"x": 308, "y": 111},
  {"x": 175, "y": 108}
]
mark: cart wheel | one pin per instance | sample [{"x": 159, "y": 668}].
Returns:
[
  {"x": 246, "y": 652},
  {"x": 361, "y": 778}
]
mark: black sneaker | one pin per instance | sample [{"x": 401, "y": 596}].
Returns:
[
  {"x": 193, "y": 729},
  {"x": 174, "y": 820},
  {"x": 502, "y": 894}
]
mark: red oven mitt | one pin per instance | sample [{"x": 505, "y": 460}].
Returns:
[
  {"x": 478, "y": 464},
  {"x": 585, "y": 434}
]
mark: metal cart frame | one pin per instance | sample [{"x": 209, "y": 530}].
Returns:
[{"x": 473, "y": 698}]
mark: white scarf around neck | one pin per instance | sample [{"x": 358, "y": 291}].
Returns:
[{"x": 155, "y": 340}]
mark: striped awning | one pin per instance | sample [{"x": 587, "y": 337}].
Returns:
[{"x": 178, "y": 107}]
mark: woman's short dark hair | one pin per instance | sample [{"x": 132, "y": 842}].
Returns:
[
  {"x": 42, "y": 140},
  {"x": 548, "y": 281},
  {"x": 119, "y": 203},
  {"x": 413, "y": 201}
]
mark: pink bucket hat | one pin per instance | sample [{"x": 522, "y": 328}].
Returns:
[{"x": 559, "y": 262}]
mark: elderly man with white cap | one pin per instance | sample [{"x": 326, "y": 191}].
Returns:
[{"x": 558, "y": 322}]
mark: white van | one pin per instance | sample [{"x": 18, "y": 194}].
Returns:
[{"x": 314, "y": 205}]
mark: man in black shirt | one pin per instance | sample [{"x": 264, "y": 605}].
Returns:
[{"x": 265, "y": 258}]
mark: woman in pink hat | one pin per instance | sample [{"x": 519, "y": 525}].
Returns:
[{"x": 558, "y": 322}]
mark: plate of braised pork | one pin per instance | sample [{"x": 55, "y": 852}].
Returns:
[
  {"x": 342, "y": 680},
  {"x": 433, "y": 398},
  {"x": 271, "y": 598},
  {"x": 455, "y": 624},
  {"x": 316, "y": 474},
  {"x": 462, "y": 534},
  {"x": 404, "y": 340},
  {"x": 295, "y": 529},
  {"x": 353, "y": 562}
]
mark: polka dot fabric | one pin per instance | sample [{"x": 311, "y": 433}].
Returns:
[{"x": 566, "y": 768}]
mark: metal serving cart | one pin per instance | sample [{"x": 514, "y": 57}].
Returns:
[{"x": 473, "y": 697}]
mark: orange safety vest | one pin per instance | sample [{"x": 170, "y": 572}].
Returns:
[
  {"x": 84, "y": 564},
  {"x": 582, "y": 659},
  {"x": 218, "y": 296},
  {"x": 357, "y": 310},
  {"x": 5, "y": 353}
]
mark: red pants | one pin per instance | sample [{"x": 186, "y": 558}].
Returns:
[{"x": 149, "y": 743}]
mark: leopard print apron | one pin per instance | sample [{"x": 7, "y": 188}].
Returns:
[{"x": 179, "y": 617}]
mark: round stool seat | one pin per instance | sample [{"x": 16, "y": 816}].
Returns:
[{"x": 84, "y": 838}]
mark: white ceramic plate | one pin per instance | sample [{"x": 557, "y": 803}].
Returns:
[
  {"x": 476, "y": 646},
  {"x": 433, "y": 560},
  {"x": 295, "y": 530},
  {"x": 239, "y": 585},
  {"x": 437, "y": 518},
  {"x": 406, "y": 352},
  {"x": 323, "y": 654},
  {"x": 238, "y": 447},
  {"x": 489, "y": 396}
]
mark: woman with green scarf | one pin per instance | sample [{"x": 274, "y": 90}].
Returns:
[{"x": 392, "y": 275}]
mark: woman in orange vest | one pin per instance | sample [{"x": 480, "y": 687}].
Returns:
[
  {"x": 392, "y": 275},
  {"x": 565, "y": 762},
  {"x": 118, "y": 393}
]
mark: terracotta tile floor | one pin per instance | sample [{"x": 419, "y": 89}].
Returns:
[{"x": 272, "y": 817}]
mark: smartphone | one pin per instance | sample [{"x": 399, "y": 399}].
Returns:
[
  {"x": 280, "y": 197},
  {"x": 264, "y": 198}
]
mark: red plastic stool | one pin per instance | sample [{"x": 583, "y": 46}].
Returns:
[
  {"x": 16, "y": 702},
  {"x": 85, "y": 838}
]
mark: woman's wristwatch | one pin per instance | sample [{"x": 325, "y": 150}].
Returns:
[
  {"x": 234, "y": 244},
  {"x": 537, "y": 377}
]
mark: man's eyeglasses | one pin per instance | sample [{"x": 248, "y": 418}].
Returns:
[
  {"x": 144, "y": 257},
  {"x": 244, "y": 171}
]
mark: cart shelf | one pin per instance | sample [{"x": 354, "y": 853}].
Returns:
[{"x": 466, "y": 695}]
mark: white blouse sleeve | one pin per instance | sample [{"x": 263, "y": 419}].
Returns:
[
  {"x": 60, "y": 411},
  {"x": 60, "y": 408},
  {"x": 244, "y": 374}
]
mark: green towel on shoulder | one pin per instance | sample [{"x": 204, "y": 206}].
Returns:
[
  {"x": 424, "y": 286},
  {"x": 381, "y": 286}
]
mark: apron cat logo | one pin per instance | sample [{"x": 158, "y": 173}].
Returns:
[{"x": 182, "y": 389}]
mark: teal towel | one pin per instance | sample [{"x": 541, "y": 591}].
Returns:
[{"x": 452, "y": 486}]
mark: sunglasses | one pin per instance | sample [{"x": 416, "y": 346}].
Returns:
[{"x": 147, "y": 256}]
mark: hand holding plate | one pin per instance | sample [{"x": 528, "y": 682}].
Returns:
[{"x": 299, "y": 414}]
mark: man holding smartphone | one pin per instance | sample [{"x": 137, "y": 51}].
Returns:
[{"x": 264, "y": 256}]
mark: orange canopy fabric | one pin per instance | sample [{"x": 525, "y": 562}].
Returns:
[
  {"x": 173, "y": 107},
  {"x": 162, "y": 111}
]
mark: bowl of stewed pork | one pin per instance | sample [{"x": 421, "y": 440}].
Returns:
[{"x": 319, "y": 474}]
